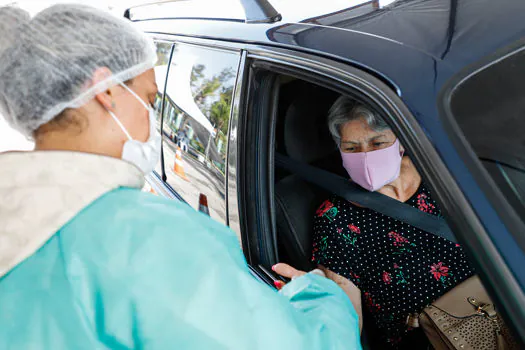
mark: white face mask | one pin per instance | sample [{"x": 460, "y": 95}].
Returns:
[{"x": 145, "y": 155}]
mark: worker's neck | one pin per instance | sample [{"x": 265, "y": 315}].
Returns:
[{"x": 63, "y": 141}]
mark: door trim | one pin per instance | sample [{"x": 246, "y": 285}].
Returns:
[{"x": 233, "y": 209}]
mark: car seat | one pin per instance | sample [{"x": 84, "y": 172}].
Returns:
[{"x": 306, "y": 138}]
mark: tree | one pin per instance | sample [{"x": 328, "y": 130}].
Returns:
[
  {"x": 220, "y": 110},
  {"x": 163, "y": 53},
  {"x": 209, "y": 87},
  {"x": 196, "y": 75}
]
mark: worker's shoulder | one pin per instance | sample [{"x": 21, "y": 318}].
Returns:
[{"x": 134, "y": 215}]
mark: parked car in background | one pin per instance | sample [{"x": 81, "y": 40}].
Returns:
[{"x": 256, "y": 81}]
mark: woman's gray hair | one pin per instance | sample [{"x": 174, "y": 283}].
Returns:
[{"x": 346, "y": 109}]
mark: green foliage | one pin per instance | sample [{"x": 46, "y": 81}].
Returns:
[
  {"x": 203, "y": 88},
  {"x": 197, "y": 145},
  {"x": 220, "y": 110},
  {"x": 163, "y": 53}
]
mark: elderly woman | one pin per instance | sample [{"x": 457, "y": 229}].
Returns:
[
  {"x": 398, "y": 268},
  {"x": 87, "y": 260}
]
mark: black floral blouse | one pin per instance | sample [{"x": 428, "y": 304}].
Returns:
[{"x": 398, "y": 268}]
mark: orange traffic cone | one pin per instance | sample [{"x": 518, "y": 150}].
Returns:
[{"x": 178, "y": 168}]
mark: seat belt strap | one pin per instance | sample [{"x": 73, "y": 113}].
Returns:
[{"x": 372, "y": 200}]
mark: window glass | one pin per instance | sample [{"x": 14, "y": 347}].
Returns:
[
  {"x": 163, "y": 54},
  {"x": 196, "y": 120},
  {"x": 490, "y": 109}
]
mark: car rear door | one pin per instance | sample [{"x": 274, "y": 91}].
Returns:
[
  {"x": 483, "y": 110},
  {"x": 196, "y": 88}
]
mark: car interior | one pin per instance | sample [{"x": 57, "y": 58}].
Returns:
[
  {"x": 294, "y": 119},
  {"x": 302, "y": 134}
]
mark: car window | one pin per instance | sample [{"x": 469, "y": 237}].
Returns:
[
  {"x": 489, "y": 107},
  {"x": 163, "y": 55},
  {"x": 197, "y": 103}
]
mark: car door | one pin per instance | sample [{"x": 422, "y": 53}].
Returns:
[
  {"x": 483, "y": 109},
  {"x": 196, "y": 88},
  {"x": 499, "y": 261}
]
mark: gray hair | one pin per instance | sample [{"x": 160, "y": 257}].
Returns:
[{"x": 346, "y": 109}]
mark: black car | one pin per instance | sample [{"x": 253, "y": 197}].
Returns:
[{"x": 252, "y": 83}]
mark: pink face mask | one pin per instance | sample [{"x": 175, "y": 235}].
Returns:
[{"x": 373, "y": 170}]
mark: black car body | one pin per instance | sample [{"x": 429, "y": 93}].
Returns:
[{"x": 448, "y": 73}]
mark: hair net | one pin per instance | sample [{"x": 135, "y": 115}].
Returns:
[
  {"x": 49, "y": 65},
  {"x": 10, "y": 19}
]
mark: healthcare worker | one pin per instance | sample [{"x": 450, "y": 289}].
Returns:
[{"x": 87, "y": 260}]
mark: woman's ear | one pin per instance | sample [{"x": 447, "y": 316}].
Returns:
[
  {"x": 105, "y": 98},
  {"x": 402, "y": 149}
]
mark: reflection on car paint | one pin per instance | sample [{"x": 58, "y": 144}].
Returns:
[{"x": 196, "y": 110}]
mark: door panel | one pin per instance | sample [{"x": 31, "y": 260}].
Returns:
[{"x": 197, "y": 107}]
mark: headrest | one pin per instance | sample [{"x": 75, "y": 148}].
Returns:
[{"x": 306, "y": 135}]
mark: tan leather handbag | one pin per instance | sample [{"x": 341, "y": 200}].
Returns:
[{"x": 465, "y": 319}]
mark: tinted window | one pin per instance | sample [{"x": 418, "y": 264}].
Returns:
[
  {"x": 490, "y": 109},
  {"x": 196, "y": 119}
]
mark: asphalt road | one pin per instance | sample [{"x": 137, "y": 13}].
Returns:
[{"x": 201, "y": 179}]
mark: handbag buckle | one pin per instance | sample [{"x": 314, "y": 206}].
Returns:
[{"x": 482, "y": 308}]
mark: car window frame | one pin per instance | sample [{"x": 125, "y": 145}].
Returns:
[
  {"x": 159, "y": 181},
  {"x": 154, "y": 179},
  {"x": 495, "y": 195}
]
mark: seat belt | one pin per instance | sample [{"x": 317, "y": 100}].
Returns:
[{"x": 373, "y": 200}]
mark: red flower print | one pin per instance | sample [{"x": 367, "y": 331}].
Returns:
[
  {"x": 339, "y": 230},
  {"x": 314, "y": 253},
  {"x": 396, "y": 266},
  {"x": 457, "y": 245},
  {"x": 439, "y": 270},
  {"x": 326, "y": 206},
  {"x": 355, "y": 277},
  {"x": 398, "y": 239},
  {"x": 354, "y": 229},
  {"x": 394, "y": 340},
  {"x": 387, "y": 278},
  {"x": 370, "y": 302},
  {"x": 423, "y": 205}
]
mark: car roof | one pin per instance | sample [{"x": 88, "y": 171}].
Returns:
[
  {"x": 430, "y": 26},
  {"x": 404, "y": 43}
]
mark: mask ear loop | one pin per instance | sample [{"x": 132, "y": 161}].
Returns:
[
  {"x": 115, "y": 117},
  {"x": 120, "y": 125},
  {"x": 136, "y": 96}
]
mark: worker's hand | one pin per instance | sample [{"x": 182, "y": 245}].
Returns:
[
  {"x": 354, "y": 294},
  {"x": 351, "y": 290}
]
